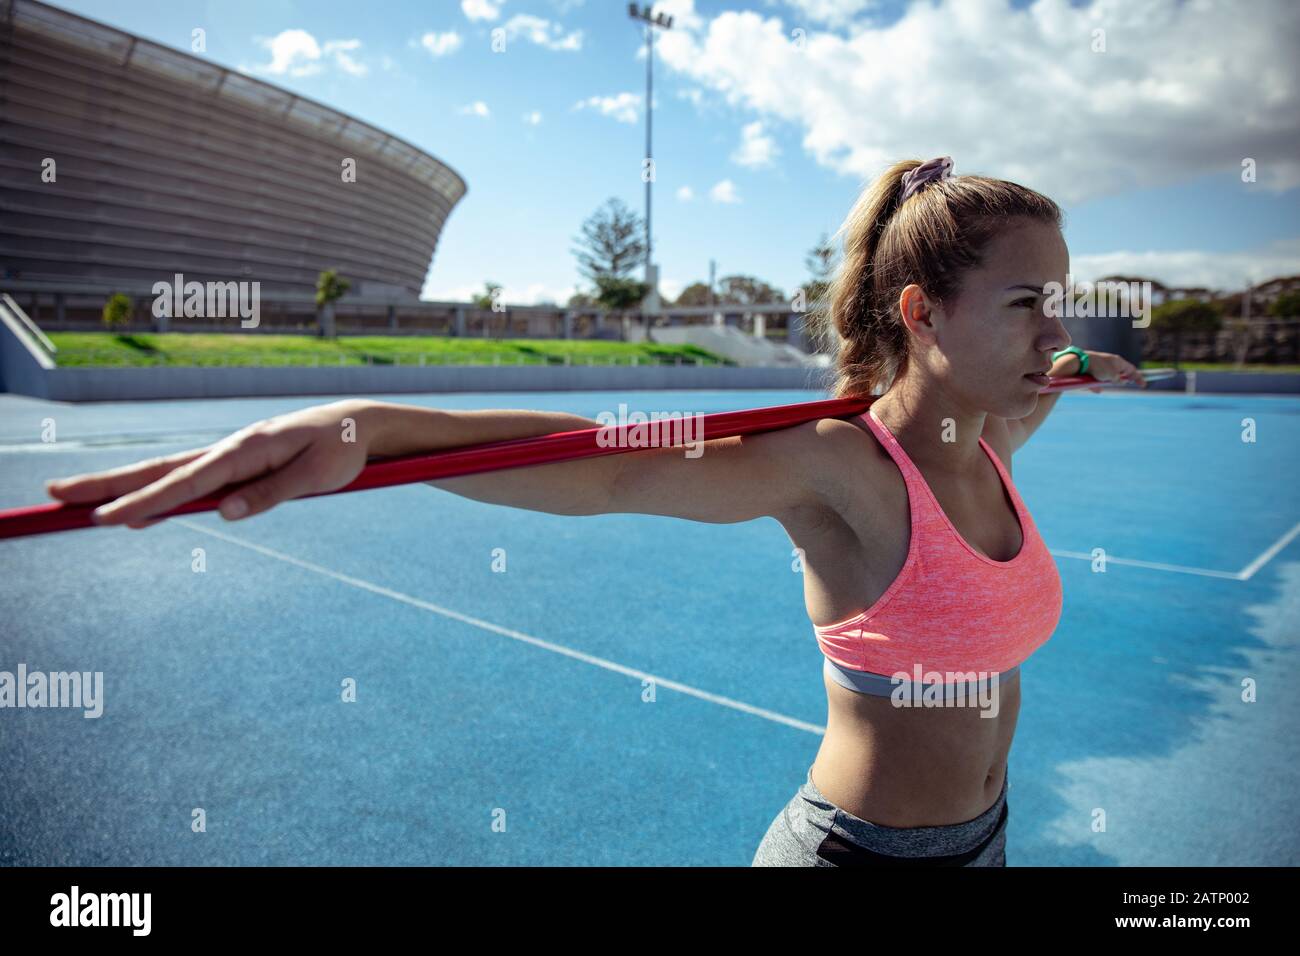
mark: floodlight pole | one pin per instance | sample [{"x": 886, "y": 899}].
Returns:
[{"x": 651, "y": 20}]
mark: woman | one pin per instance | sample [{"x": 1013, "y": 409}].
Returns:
[{"x": 907, "y": 511}]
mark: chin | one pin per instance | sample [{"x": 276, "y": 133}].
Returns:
[{"x": 1017, "y": 406}]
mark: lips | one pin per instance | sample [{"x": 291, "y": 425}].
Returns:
[{"x": 1039, "y": 378}]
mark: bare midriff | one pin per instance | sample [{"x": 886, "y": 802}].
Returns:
[{"x": 914, "y": 766}]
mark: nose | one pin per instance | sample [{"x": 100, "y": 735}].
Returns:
[{"x": 1058, "y": 336}]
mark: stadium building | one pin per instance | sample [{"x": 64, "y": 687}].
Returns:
[{"x": 124, "y": 162}]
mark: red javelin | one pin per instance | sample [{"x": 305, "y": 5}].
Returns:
[
  {"x": 512, "y": 453},
  {"x": 465, "y": 460}
]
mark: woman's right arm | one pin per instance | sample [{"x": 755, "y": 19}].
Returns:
[{"x": 777, "y": 473}]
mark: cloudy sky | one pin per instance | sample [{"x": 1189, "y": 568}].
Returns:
[{"x": 1138, "y": 116}]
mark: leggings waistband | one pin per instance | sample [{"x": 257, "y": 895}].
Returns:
[{"x": 966, "y": 837}]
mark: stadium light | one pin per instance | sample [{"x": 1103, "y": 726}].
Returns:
[{"x": 651, "y": 20}]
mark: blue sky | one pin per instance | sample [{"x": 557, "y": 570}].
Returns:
[{"x": 771, "y": 115}]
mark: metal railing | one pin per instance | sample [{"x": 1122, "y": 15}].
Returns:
[{"x": 28, "y": 324}]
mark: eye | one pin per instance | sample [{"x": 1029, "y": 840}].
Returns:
[{"x": 1028, "y": 303}]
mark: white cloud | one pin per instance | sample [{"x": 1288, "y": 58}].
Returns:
[
  {"x": 341, "y": 49},
  {"x": 756, "y": 148},
  {"x": 835, "y": 13},
  {"x": 1193, "y": 267},
  {"x": 533, "y": 118},
  {"x": 682, "y": 12},
  {"x": 293, "y": 53},
  {"x": 724, "y": 191},
  {"x": 670, "y": 288},
  {"x": 532, "y": 293},
  {"x": 685, "y": 194},
  {"x": 622, "y": 107},
  {"x": 481, "y": 9},
  {"x": 440, "y": 44},
  {"x": 477, "y": 108},
  {"x": 297, "y": 53},
  {"x": 542, "y": 32},
  {"x": 1183, "y": 90}
]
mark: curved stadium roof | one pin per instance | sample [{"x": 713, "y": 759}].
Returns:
[{"x": 166, "y": 163}]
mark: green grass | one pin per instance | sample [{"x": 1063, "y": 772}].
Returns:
[
  {"x": 106, "y": 349},
  {"x": 1221, "y": 367}
]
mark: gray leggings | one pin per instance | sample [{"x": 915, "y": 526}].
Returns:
[{"x": 812, "y": 831}]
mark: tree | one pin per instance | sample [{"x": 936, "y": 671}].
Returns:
[
  {"x": 732, "y": 290},
  {"x": 611, "y": 242},
  {"x": 117, "y": 310},
  {"x": 820, "y": 262},
  {"x": 697, "y": 293},
  {"x": 1185, "y": 315},
  {"x": 488, "y": 296},
  {"x": 330, "y": 287},
  {"x": 611, "y": 249},
  {"x": 1285, "y": 306},
  {"x": 747, "y": 290},
  {"x": 619, "y": 294}
]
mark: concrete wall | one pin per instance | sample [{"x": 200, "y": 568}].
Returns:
[
  {"x": 120, "y": 384},
  {"x": 1256, "y": 383},
  {"x": 24, "y": 365}
]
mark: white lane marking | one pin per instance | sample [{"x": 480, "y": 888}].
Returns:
[
  {"x": 1177, "y": 568},
  {"x": 1246, "y": 573},
  {"x": 508, "y": 632}
]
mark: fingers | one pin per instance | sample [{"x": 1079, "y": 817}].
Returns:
[
  {"x": 103, "y": 485},
  {"x": 234, "y": 459},
  {"x": 294, "y": 479}
]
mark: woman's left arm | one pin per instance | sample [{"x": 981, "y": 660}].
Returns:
[{"x": 1103, "y": 366}]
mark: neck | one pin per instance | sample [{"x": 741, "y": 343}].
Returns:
[{"x": 935, "y": 428}]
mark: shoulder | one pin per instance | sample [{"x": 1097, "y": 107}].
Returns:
[{"x": 848, "y": 459}]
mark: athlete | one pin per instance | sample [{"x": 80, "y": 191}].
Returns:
[{"x": 925, "y": 578}]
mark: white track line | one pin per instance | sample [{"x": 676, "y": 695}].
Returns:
[
  {"x": 1177, "y": 568},
  {"x": 1246, "y": 573},
  {"x": 507, "y": 632}
]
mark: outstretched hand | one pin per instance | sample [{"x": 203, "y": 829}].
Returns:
[
  {"x": 1108, "y": 367},
  {"x": 314, "y": 450}
]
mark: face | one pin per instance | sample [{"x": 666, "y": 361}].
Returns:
[{"x": 998, "y": 328}]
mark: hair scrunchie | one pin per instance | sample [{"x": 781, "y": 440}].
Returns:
[{"x": 928, "y": 172}]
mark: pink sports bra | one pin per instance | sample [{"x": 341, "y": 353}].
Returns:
[{"x": 951, "y": 609}]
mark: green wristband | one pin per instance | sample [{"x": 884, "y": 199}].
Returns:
[{"x": 1074, "y": 350}]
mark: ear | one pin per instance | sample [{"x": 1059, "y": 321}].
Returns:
[{"x": 918, "y": 312}]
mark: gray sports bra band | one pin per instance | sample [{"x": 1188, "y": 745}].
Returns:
[{"x": 880, "y": 685}]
